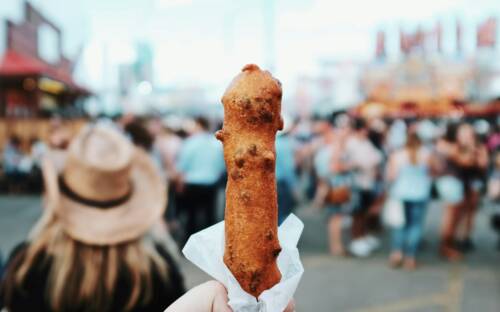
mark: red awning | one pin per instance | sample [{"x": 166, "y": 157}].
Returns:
[
  {"x": 479, "y": 110},
  {"x": 17, "y": 64}
]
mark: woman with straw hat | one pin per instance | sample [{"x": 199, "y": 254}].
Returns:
[{"x": 92, "y": 250}]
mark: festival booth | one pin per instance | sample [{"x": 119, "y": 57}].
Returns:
[
  {"x": 425, "y": 82},
  {"x": 36, "y": 79}
]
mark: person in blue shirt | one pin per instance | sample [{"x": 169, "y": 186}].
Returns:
[
  {"x": 200, "y": 166},
  {"x": 409, "y": 171}
]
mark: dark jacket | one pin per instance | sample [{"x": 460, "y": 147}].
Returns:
[{"x": 32, "y": 296}]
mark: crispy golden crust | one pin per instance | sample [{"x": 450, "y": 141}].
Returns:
[{"x": 252, "y": 105}]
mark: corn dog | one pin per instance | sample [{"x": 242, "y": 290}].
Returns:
[{"x": 252, "y": 105}]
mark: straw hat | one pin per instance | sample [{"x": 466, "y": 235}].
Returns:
[{"x": 107, "y": 191}]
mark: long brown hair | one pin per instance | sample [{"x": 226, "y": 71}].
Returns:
[
  {"x": 85, "y": 276},
  {"x": 413, "y": 144}
]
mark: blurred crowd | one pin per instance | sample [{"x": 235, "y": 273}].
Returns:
[
  {"x": 370, "y": 174},
  {"x": 356, "y": 169},
  {"x": 21, "y": 161},
  {"x": 386, "y": 172}
]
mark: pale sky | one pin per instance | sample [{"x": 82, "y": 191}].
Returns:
[{"x": 207, "y": 41}]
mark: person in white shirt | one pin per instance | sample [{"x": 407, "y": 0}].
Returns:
[{"x": 364, "y": 159}]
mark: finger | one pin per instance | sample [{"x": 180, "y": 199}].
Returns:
[
  {"x": 220, "y": 300},
  {"x": 290, "y": 307},
  {"x": 220, "y": 304}
]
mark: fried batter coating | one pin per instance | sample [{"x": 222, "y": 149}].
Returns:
[{"x": 252, "y": 105}]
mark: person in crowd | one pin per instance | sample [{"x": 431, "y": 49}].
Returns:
[
  {"x": 334, "y": 190},
  {"x": 93, "y": 248},
  {"x": 139, "y": 135},
  {"x": 59, "y": 134},
  {"x": 493, "y": 141},
  {"x": 200, "y": 166},
  {"x": 12, "y": 154},
  {"x": 408, "y": 170},
  {"x": 142, "y": 138},
  {"x": 285, "y": 172},
  {"x": 493, "y": 192},
  {"x": 427, "y": 132},
  {"x": 396, "y": 135},
  {"x": 377, "y": 133},
  {"x": 122, "y": 120},
  {"x": 377, "y": 130},
  {"x": 38, "y": 148},
  {"x": 168, "y": 144},
  {"x": 13, "y": 168},
  {"x": 450, "y": 191},
  {"x": 468, "y": 160},
  {"x": 471, "y": 159},
  {"x": 308, "y": 141},
  {"x": 364, "y": 159}
]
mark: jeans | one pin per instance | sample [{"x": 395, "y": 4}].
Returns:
[{"x": 406, "y": 239}]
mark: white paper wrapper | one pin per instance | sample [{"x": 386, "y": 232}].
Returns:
[{"x": 206, "y": 250}]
